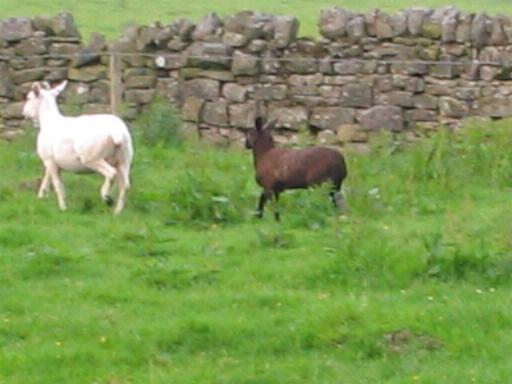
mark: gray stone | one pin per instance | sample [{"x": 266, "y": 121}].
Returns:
[
  {"x": 63, "y": 49},
  {"x": 77, "y": 93},
  {"x": 209, "y": 55},
  {"x": 15, "y": 29},
  {"x": 100, "y": 92},
  {"x": 56, "y": 74},
  {"x": 140, "y": 82},
  {"x": 421, "y": 115},
  {"x": 191, "y": 110},
  {"x": 209, "y": 29},
  {"x": 28, "y": 75},
  {"x": 242, "y": 115},
  {"x": 415, "y": 84},
  {"x": 349, "y": 133},
  {"x": 88, "y": 74},
  {"x": 177, "y": 45},
  {"x": 32, "y": 62},
  {"x": 481, "y": 29},
  {"x": 63, "y": 25},
  {"x": 431, "y": 28},
  {"x": 215, "y": 113},
  {"x": 398, "y": 98},
  {"x": 425, "y": 101},
  {"x": 305, "y": 80},
  {"x": 439, "y": 89},
  {"x": 498, "y": 35},
  {"x": 12, "y": 110},
  {"x": 495, "y": 106},
  {"x": 334, "y": 22},
  {"x": 250, "y": 25},
  {"x": 244, "y": 64},
  {"x": 203, "y": 88},
  {"x": 257, "y": 46},
  {"x": 146, "y": 37},
  {"x": 410, "y": 68},
  {"x": 383, "y": 25},
  {"x": 291, "y": 118},
  {"x": 139, "y": 96},
  {"x": 390, "y": 26},
  {"x": 356, "y": 95},
  {"x": 331, "y": 117},
  {"x": 90, "y": 53},
  {"x": 32, "y": 46},
  {"x": 444, "y": 71},
  {"x": 463, "y": 34},
  {"x": 130, "y": 72},
  {"x": 451, "y": 107},
  {"x": 330, "y": 92},
  {"x": 285, "y": 30},
  {"x": 327, "y": 137},
  {"x": 297, "y": 63},
  {"x": 42, "y": 23},
  {"x": 270, "y": 92},
  {"x": 234, "y": 39},
  {"x": 184, "y": 29},
  {"x": 348, "y": 67},
  {"x": 415, "y": 19},
  {"x": 467, "y": 93},
  {"x": 382, "y": 117},
  {"x": 356, "y": 28},
  {"x": 449, "y": 29},
  {"x": 270, "y": 64},
  {"x": 234, "y": 92}
]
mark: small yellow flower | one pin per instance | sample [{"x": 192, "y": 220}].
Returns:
[
  {"x": 103, "y": 339},
  {"x": 58, "y": 344}
]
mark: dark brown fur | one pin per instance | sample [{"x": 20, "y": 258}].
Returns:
[{"x": 279, "y": 169}]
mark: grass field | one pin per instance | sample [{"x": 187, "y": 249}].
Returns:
[
  {"x": 186, "y": 286},
  {"x": 111, "y": 16},
  {"x": 413, "y": 286}
]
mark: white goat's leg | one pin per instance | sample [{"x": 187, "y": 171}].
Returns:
[
  {"x": 57, "y": 185},
  {"x": 109, "y": 172},
  {"x": 45, "y": 183},
  {"x": 123, "y": 178}
]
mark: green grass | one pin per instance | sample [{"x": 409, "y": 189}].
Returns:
[
  {"x": 111, "y": 16},
  {"x": 186, "y": 286}
]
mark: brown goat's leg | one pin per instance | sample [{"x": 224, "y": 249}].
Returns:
[
  {"x": 261, "y": 204},
  {"x": 339, "y": 201},
  {"x": 337, "y": 197},
  {"x": 276, "y": 208}
]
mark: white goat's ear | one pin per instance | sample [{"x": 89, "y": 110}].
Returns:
[
  {"x": 36, "y": 88},
  {"x": 59, "y": 88},
  {"x": 45, "y": 85}
]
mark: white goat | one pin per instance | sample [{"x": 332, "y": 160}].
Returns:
[{"x": 100, "y": 143}]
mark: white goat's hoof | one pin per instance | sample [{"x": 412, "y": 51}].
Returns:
[{"x": 108, "y": 200}]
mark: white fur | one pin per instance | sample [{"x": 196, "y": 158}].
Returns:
[{"x": 100, "y": 143}]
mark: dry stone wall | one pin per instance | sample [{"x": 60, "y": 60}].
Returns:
[{"x": 373, "y": 71}]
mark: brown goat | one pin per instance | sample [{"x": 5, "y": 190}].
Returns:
[{"x": 279, "y": 169}]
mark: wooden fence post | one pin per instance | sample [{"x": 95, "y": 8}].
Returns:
[{"x": 116, "y": 86}]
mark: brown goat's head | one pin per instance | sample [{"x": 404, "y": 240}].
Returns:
[{"x": 259, "y": 134}]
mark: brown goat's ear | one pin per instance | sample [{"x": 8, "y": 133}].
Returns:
[{"x": 258, "y": 123}]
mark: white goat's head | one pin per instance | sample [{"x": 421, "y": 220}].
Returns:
[{"x": 39, "y": 93}]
